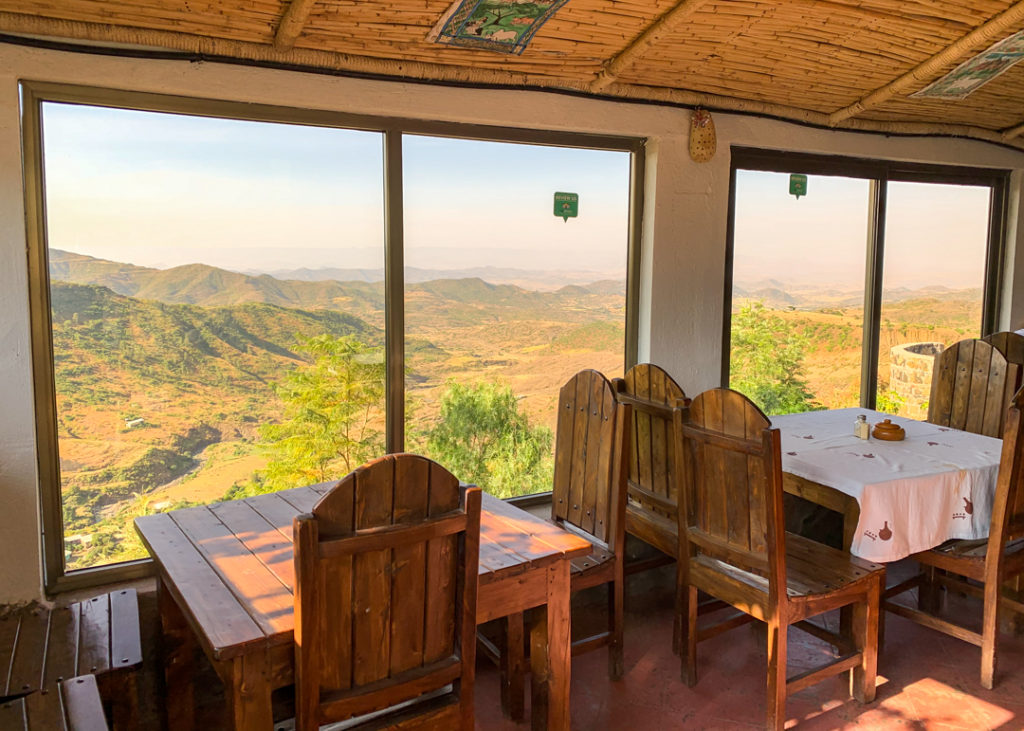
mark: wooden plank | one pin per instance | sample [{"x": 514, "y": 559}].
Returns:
[
  {"x": 81, "y": 700},
  {"x": 943, "y": 380},
  {"x": 277, "y": 511},
  {"x": 258, "y": 590},
  {"x": 371, "y": 585},
  {"x": 409, "y": 568},
  {"x": 578, "y": 448},
  {"x": 594, "y": 480},
  {"x": 259, "y": 537},
  {"x": 960, "y": 403},
  {"x": 8, "y": 644},
  {"x": 564, "y": 430},
  {"x": 218, "y": 613},
  {"x": 643, "y": 426},
  {"x": 27, "y": 667},
  {"x": 977, "y": 400},
  {"x": 995, "y": 400},
  {"x": 606, "y": 446},
  {"x": 62, "y": 649},
  {"x": 13, "y": 714},
  {"x": 659, "y": 436},
  {"x": 506, "y": 524},
  {"x": 45, "y": 711},
  {"x": 125, "y": 642}
]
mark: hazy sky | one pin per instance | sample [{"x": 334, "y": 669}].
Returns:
[
  {"x": 935, "y": 234},
  {"x": 162, "y": 190}
]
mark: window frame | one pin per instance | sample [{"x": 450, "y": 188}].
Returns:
[
  {"x": 879, "y": 173},
  {"x": 392, "y": 129}
]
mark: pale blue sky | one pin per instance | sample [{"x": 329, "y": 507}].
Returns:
[
  {"x": 163, "y": 190},
  {"x": 935, "y": 234}
]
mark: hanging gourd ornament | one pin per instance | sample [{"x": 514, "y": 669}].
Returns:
[{"x": 702, "y": 136}]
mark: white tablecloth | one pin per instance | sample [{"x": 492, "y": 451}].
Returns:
[{"x": 915, "y": 494}]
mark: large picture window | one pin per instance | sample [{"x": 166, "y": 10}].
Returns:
[
  {"x": 230, "y": 301},
  {"x": 842, "y": 295}
]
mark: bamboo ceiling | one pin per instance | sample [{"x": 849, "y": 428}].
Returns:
[{"x": 842, "y": 63}]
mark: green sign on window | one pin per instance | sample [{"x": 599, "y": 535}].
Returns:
[
  {"x": 798, "y": 185},
  {"x": 567, "y": 205}
]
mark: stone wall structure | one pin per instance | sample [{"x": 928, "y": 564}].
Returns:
[{"x": 910, "y": 376}]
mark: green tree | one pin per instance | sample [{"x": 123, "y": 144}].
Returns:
[
  {"x": 333, "y": 413},
  {"x": 766, "y": 363},
  {"x": 484, "y": 439}
]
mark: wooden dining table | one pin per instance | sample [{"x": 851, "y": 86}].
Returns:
[
  {"x": 226, "y": 579},
  {"x": 896, "y": 497}
]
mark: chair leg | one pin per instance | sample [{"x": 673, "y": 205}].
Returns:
[
  {"x": 989, "y": 633},
  {"x": 928, "y": 596},
  {"x": 686, "y": 619},
  {"x": 616, "y": 612},
  {"x": 865, "y": 635},
  {"x": 775, "y": 715},
  {"x": 512, "y": 666}
]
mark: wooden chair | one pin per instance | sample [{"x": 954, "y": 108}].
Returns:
[
  {"x": 732, "y": 545},
  {"x": 589, "y": 499},
  {"x": 385, "y": 598},
  {"x": 1010, "y": 344},
  {"x": 990, "y": 561},
  {"x": 972, "y": 385},
  {"x": 651, "y": 496}
]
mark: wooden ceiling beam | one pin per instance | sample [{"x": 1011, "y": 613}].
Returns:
[
  {"x": 629, "y": 55},
  {"x": 1012, "y": 132},
  {"x": 927, "y": 70},
  {"x": 292, "y": 23}
]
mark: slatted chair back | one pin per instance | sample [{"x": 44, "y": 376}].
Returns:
[
  {"x": 1008, "y": 504},
  {"x": 651, "y": 490},
  {"x": 1010, "y": 344},
  {"x": 972, "y": 385},
  {"x": 385, "y": 593},
  {"x": 730, "y": 498},
  {"x": 590, "y": 440}
]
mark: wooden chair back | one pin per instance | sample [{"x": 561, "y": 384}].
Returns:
[
  {"x": 972, "y": 385},
  {"x": 1008, "y": 503},
  {"x": 651, "y": 489},
  {"x": 1010, "y": 344},
  {"x": 385, "y": 592},
  {"x": 589, "y": 489},
  {"x": 730, "y": 497}
]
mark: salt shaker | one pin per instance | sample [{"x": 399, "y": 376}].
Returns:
[{"x": 861, "y": 428}]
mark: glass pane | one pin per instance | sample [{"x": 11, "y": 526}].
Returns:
[
  {"x": 936, "y": 239},
  {"x": 798, "y": 291},
  {"x": 504, "y": 302},
  {"x": 217, "y": 307}
]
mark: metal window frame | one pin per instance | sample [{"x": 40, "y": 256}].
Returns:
[
  {"x": 392, "y": 129},
  {"x": 879, "y": 173}
]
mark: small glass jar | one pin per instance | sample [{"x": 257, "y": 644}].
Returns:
[{"x": 861, "y": 428}]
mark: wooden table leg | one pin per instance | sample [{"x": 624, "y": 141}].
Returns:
[
  {"x": 513, "y": 666},
  {"x": 551, "y": 654},
  {"x": 178, "y": 648},
  {"x": 249, "y": 702}
]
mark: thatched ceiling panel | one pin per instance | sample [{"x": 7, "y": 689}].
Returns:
[
  {"x": 850, "y": 63},
  {"x": 248, "y": 20}
]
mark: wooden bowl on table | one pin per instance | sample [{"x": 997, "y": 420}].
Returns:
[{"x": 888, "y": 432}]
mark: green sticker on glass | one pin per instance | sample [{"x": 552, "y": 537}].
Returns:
[
  {"x": 798, "y": 185},
  {"x": 567, "y": 205}
]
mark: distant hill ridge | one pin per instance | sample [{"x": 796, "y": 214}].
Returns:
[{"x": 201, "y": 284}]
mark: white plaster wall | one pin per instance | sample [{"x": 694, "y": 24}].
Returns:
[{"x": 684, "y": 218}]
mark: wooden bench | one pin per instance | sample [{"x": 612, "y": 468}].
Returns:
[
  {"x": 98, "y": 636},
  {"x": 73, "y": 704}
]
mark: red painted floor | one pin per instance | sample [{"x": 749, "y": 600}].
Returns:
[{"x": 926, "y": 680}]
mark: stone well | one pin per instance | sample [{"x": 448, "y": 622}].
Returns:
[{"x": 910, "y": 375}]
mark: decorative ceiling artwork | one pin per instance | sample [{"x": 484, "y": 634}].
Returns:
[
  {"x": 974, "y": 73},
  {"x": 505, "y": 26}
]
